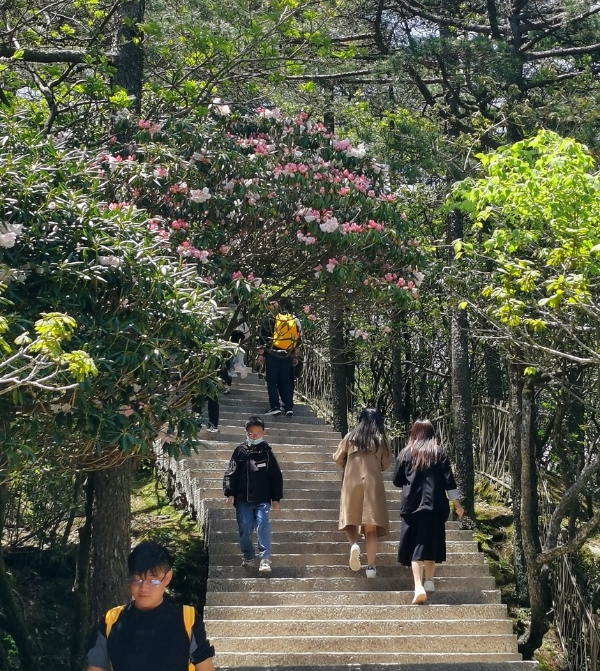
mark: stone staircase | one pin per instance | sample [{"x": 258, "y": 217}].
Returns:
[{"x": 312, "y": 611}]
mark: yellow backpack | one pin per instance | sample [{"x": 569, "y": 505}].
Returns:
[
  {"x": 189, "y": 617},
  {"x": 285, "y": 332}
]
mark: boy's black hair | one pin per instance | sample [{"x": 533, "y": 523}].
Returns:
[
  {"x": 237, "y": 336},
  {"x": 148, "y": 556},
  {"x": 255, "y": 421},
  {"x": 285, "y": 304}
]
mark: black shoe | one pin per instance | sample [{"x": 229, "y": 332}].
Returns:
[
  {"x": 273, "y": 411},
  {"x": 289, "y": 413}
]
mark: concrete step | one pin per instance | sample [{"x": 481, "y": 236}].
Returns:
[
  {"x": 282, "y": 546},
  {"x": 368, "y": 643},
  {"x": 336, "y": 598},
  {"x": 358, "y": 612},
  {"x": 341, "y": 627},
  {"x": 282, "y": 567},
  {"x": 333, "y": 495},
  {"x": 278, "y": 581},
  {"x": 385, "y": 557},
  {"x": 314, "y": 660},
  {"x": 397, "y": 666}
]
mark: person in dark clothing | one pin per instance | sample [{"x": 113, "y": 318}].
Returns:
[
  {"x": 225, "y": 375},
  {"x": 279, "y": 349},
  {"x": 253, "y": 483},
  {"x": 423, "y": 471},
  {"x": 149, "y": 633}
]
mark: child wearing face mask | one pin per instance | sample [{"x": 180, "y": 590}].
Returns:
[{"x": 253, "y": 483}]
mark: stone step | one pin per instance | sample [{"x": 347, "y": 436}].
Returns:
[
  {"x": 314, "y": 660},
  {"x": 307, "y": 494},
  {"x": 254, "y": 405},
  {"x": 281, "y": 546},
  {"x": 358, "y": 612},
  {"x": 396, "y": 666},
  {"x": 386, "y": 556},
  {"x": 283, "y": 568},
  {"x": 350, "y": 598},
  {"x": 225, "y": 530},
  {"x": 235, "y": 415},
  {"x": 278, "y": 581},
  {"x": 342, "y": 627},
  {"x": 367, "y": 643}
]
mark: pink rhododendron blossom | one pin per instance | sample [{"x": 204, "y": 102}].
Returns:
[
  {"x": 179, "y": 225},
  {"x": 160, "y": 172},
  {"x": 237, "y": 275},
  {"x": 401, "y": 282},
  {"x": 224, "y": 249},
  {"x": 341, "y": 145},
  {"x": 344, "y": 191},
  {"x": 200, "y": 195},
  {"x": 331, "y": 265},
  {"x": 250, "y": 277},
  {"x": 318, "y": 270},
  {"x": 312, "y": 317},
  {"x": 387, "y": 329},
  {"x": 306, "y": 309},
  {"x": 329, "y": 225},
  {"x": 126, "y": 410}
]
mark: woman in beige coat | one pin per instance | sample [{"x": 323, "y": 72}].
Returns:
[{"x": 363, "y": 455}]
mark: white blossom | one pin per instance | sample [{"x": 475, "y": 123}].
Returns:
[
  {"x": 200, "y": 195},
  {"x": 113, "y": 261}
]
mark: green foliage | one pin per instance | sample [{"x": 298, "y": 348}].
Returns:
[{"x": 535, "y": 218}]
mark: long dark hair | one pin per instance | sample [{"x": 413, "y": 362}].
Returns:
[
  {"x": 369, "y": 433},
  {"x": 422, "y": 445}
]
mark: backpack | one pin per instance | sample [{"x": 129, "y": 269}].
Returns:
[
  {"x": 189, "y": 617},
  {"x": 285, "y": 332}
]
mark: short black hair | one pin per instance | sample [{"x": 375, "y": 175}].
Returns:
[
  {"x": 285, "y": 304},
  {"x": 254, "y": 421},
  {"x": 148, "y": 556},
  {"x": 237, "y": 336}
]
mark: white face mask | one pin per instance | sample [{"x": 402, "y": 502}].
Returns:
[{"x": 257, "y": 441}]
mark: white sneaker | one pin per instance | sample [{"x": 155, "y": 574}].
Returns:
[
  {"x": 429, "y": 586},
  {"x": 212, "y": 429},
  {"x": 265, "y": 566},
  {"x": 354, "y": 562},
  {"x": 371, "y": 572}
]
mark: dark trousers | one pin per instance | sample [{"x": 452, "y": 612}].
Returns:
[{"x": 279, "y": 374}]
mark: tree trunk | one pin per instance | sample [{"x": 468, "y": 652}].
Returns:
[
  {"x": 81, "y": 624},
  {"x": 13, "y": 621},
  {"x": 538, "y": 591},
  {"x": 338, "y": 361},
  {"x": 129, "y": 64},
  {"x": 461, "y": 405},
  {"x": 493, "y": 373},
  {"x": 110, "y": 538},
  {"x": 515, "y": 399}
]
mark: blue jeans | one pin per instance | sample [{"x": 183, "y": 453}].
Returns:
[
  {"x": 252, "y": 516},
  {"x": 279, "y": 374}
]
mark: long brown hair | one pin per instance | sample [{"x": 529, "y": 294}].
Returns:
[
  {"x": 369, "y": 433},
  {"x": 422, "y": 445}
]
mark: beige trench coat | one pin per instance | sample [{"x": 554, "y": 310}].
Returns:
[{"x": 363, "y": 498}]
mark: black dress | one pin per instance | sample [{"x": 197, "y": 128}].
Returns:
[{"x": 425, "y": 509}]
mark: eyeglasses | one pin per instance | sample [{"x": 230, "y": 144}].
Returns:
[{"x": 153, "y": 582}]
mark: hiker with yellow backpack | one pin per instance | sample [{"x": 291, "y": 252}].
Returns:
[
  {"x": 279, "y": 348},
  {"x": 150, "y": 633}
]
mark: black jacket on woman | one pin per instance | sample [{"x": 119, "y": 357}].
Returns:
[{"x": 425, "y": 490}]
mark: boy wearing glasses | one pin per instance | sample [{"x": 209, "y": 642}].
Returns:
[
  {"x": 253, "y": 484},
  {"x": 150, "y": 632}
]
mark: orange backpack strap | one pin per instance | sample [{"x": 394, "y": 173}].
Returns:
[
  {"x": 111, "y": 617},
  {"x": 189, "y": 617}
]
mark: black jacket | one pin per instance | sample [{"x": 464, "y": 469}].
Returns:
[
  {"x": 253, "y": 475},
  {"x": 425, "y": 489}
]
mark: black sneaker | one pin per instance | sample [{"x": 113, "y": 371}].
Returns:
[
  {"x": 273, "y": 411},
  {"x": 289, "y": 413}
]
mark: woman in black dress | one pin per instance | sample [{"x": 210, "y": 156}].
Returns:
[{"x": 425, "y": 475}]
